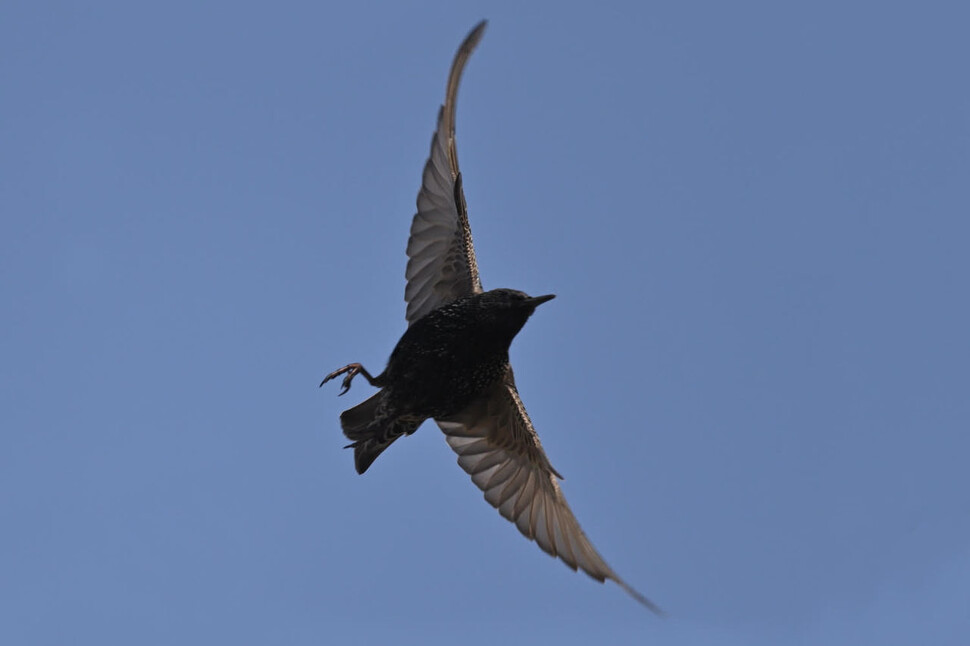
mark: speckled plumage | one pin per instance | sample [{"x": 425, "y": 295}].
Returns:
[
  {"x": 443, "y": 362},
  {"x": 454, "y": 353},
  {"x": 452, "y": 365}
]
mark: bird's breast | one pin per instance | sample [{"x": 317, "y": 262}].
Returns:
[{"x": 439, "y": 372}]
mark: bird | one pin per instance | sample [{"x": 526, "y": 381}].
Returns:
[{"x": 452, "y": 365}]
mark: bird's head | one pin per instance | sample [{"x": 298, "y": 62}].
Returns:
[
  {"x": 508, "y": 309},
  {"x": 513, "y": 300}
]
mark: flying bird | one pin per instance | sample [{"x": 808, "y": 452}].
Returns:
[{"x": 452, "y": 365}]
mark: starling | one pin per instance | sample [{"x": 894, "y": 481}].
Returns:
[{"x": 452, "y": 365}]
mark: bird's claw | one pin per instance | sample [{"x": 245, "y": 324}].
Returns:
[
  {"x": 352, "y": 371},
  {"x": 345, "y": 385}
]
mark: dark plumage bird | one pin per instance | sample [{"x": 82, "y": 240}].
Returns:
[{"x": 452, "y": 365}]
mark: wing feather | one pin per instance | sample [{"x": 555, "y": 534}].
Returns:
[
  {"x": 499, "y": 448},
  {"x": 441, "y": 256}
]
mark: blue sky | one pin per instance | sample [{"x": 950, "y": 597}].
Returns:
[{"x": 754, "y": 377}]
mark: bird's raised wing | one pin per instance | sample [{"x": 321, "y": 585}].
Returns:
[
  {"x": 498, "y": 446},
  {"x": 441, "y": 258}
]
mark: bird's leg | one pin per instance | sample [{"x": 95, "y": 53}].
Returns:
[{"x": 352, "y": 370}]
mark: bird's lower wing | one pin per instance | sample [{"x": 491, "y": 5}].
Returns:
[{"x": 498, "y": 446}]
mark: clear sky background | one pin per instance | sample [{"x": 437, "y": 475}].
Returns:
[{"x": 754, "y": 379}]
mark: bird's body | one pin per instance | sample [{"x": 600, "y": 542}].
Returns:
[
  {"x": 454, "y": 353},
  {"x": 452, "y": 365},
  {"x": 443, "y": 362}
]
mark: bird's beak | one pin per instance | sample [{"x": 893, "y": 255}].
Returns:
[{"x": 536, "y": 301}]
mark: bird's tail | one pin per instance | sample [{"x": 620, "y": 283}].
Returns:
[{"x": 372, "y": 428}]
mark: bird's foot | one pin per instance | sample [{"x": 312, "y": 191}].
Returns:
[{"x": 352, "y": 370}]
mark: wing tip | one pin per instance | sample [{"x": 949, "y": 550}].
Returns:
[
  {"x": 475, "y": 35},
  {"x": 630, "y": 590}
]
